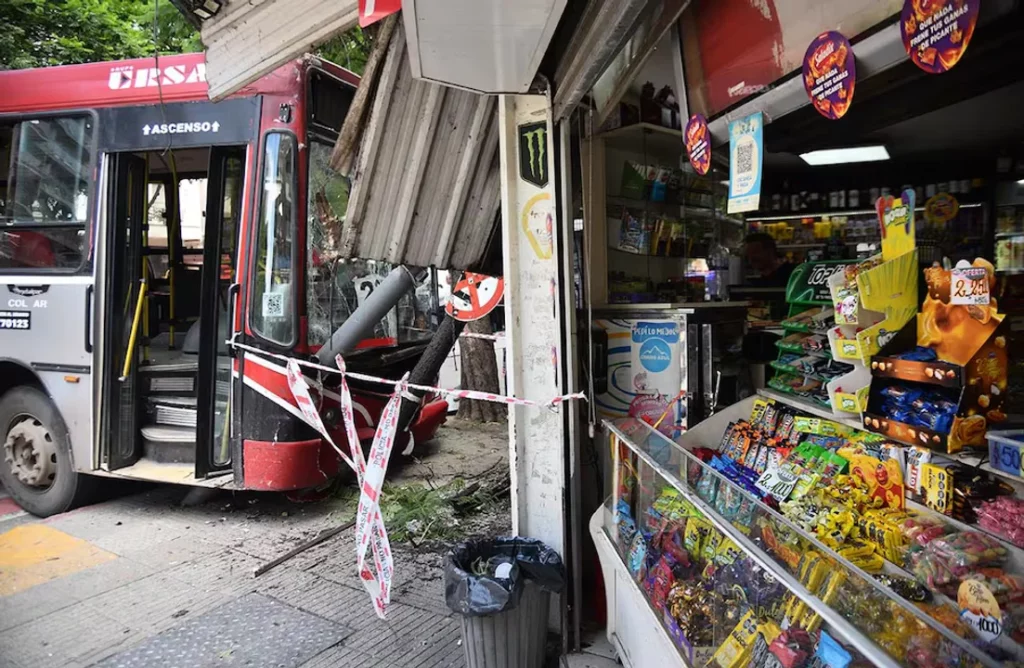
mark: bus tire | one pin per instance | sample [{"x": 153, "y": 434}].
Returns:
[{"x": 36, "y": 467}]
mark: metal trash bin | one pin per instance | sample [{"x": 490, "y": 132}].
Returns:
[{"x": 502, "y": 590}]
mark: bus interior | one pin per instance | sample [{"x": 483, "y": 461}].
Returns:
[{"x": 171, "y": 271}]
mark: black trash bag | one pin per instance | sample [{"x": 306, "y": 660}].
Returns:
[{"x": 485, "y": 577}]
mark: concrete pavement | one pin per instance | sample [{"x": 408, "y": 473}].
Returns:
[{"x": 141, "y": 581}]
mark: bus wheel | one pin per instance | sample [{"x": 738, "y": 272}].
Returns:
[{"x": 35, "y": 463}]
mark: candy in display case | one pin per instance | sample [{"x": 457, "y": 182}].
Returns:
[
  {"x": 827, "y": 513},
  {"x": 727, "y": 574}
]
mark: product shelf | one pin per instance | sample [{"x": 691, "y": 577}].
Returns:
[
  {"x": 678, "y": 209},
  {"x": 759, "y": 532},
  {"x": 1015, "y": 555},
  {"x": 804, "y": 405},
  {"x": 787, "y": 368},
  {"x": 838, "y": 213}
]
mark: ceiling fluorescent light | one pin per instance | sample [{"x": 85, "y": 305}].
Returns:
[{"x": 838, "y": 156}]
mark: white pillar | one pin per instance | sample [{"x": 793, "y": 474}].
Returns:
[{"x": 533, "y": 317}]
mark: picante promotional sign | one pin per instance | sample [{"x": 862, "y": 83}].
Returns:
[
  {"x": 936, "y": 32},
  {"x": 746, "y": 157},
  {"x": 698, "y": 143},
  {"x": 830, "y": 74}
]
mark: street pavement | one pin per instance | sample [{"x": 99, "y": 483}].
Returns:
[{"x": 143, "y": 581}]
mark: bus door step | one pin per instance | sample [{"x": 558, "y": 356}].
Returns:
[
  {"x": 176, "y": 445},
  {"x": 174, "y": 411}
]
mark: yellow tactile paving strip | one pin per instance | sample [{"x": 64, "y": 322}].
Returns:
[{"x": 35, "y": 553}]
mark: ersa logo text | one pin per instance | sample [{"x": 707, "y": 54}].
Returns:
[{"x": 128, "y": 76}]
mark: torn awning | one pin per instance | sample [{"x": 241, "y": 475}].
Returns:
[
  {"x": 425, "y": 186},
  {"x": 485, "y": 45},
  {"x": 248, "y": 39}
]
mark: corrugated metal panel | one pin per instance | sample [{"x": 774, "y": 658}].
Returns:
[
  {"x": 250, "y": 38},
  {"x": 425, "y": 188}
]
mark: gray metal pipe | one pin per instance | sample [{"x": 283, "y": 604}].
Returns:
[{"x": 360, "y": 324}]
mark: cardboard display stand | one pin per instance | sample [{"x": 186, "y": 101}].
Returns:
[{"x": 970, "y": 341}]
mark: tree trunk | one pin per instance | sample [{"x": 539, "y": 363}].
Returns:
[{"x": 480, "y": 372}]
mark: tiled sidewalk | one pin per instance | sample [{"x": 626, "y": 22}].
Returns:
[{"x": 153, "y": 580}]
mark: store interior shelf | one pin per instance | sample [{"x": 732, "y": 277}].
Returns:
[
  {"x": 1008, "y": 235},
  {"x": 800, "y": 215},
  {"x": 786, "y": 368},
  {"x": 971, "y": 459},
  {"x": 675, "y": 209},
  {"x": 1011, "y": 271},
  {"x": 824, "y": 242},
  {"x": 644, "y": 137},
  {"x": 979, "y": 460},
  {"x": 804, "y": 405},
  {"x": 1016, "y": 555},
  {"x": 651, "y": 255}
]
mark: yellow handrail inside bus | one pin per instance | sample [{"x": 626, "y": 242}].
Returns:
[
  {"x": 145, "y": 267},
  {"x": 172, "y": 239},
  {"x": 129, "y": 352}
]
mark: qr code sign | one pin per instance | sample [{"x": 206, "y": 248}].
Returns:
[
  {"x": 273, "y": 305},
  {"x": 745, "y": 157}
]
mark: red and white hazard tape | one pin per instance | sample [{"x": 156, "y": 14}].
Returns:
[
  {"x": 485, "y": 337},
  {"x": 370, "y": 531},
  {"x": 443, "y": 391}
]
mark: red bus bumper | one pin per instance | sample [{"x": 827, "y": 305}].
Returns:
[{"x": 283, "y": 466}]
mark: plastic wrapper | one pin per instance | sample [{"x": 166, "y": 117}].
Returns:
[
  {"x": 921, "y": 530},
  {"x": 907, "y": 588},
  {"x": 946, "y": 561},
  {"x": 486, "y": 577},
  {"x": 1003, "y": 516}
]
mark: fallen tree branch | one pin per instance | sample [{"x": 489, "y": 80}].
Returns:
[{"x": 313, "y": 542}]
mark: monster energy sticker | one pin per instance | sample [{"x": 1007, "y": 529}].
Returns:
[{"x": 533, "y": 158}]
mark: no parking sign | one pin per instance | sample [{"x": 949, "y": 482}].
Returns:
[{"x": 474, "y": 296}]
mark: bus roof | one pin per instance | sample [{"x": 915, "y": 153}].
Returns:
[{"x": 178, "y": 78}]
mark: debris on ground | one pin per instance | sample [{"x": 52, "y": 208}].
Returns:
[{"x": 422, "y": 513}]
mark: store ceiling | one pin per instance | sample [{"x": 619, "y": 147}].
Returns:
[
  {"x": 981, "y": 124},
  {"x": 966, "y": 115},
  {"x": 975, "y": 127}
]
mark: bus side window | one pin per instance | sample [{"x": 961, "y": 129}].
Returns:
[
  {"x": 272, "y": 309},
  {"x": 44, "y": 192}
]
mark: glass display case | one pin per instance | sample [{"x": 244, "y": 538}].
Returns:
[{"x": 700, "y": 571}]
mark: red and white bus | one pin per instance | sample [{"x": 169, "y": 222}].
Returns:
[{"x": 142, "y": 227}]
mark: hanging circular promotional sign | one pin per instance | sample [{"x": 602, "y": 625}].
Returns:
[
  {"x": 698, "y": 143},
  {"x": 936, "y": 32},
  {"x": 941, "y": 208},
  {"x": 830, "y": 74}
]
